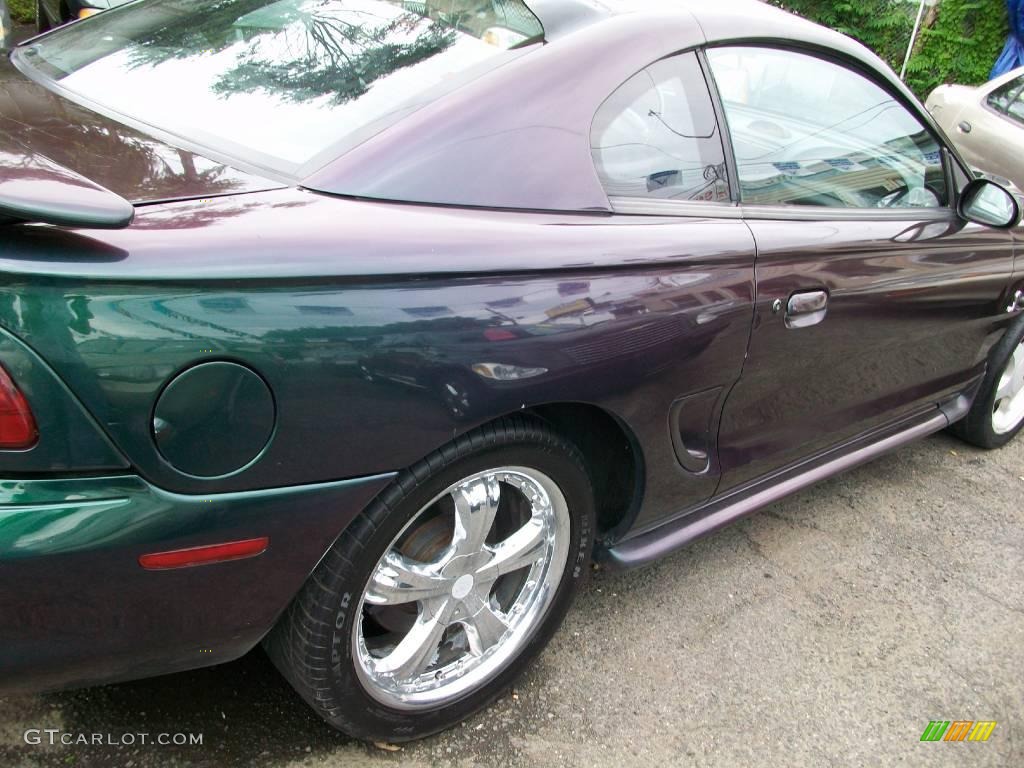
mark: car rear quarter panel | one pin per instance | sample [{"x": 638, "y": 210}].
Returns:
[
  {"x": 362, "y": 317},
  {"x": 78, "y": 609}
]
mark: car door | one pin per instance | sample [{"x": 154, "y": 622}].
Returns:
[
  {"x": 658, "y": 151},
  {"x": 875, "y": 301}
]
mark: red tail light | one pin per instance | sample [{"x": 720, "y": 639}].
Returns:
[
  {"x": 17, "y": 424},
  {"x": 499, "y": 334}
]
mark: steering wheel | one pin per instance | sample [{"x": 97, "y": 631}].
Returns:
[{"x": 911, "y": 197}]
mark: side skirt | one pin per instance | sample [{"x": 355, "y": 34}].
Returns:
[{"x": 679, "y": 532}]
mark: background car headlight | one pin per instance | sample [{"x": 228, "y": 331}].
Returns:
[{"x": 502, "y": 372}]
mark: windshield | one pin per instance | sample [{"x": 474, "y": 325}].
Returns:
[{"x": 281, "y": 85}]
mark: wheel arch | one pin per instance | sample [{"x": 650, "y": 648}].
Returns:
[{"x": 613, "y": 458}]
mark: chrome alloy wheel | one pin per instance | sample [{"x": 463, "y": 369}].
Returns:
[
  {"x": 462, "y": 589},
  {"x": 1008, "y": 410}
]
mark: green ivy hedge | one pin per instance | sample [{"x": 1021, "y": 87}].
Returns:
[
  {"x": 962, "y": 46},
  {"x": 22, "y": 10},
  {"x": 960, "y": 40}
]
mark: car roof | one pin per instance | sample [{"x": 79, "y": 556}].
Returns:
[
  {"x": 720, "y": 21},
  {"x": 519, "y": 137}
]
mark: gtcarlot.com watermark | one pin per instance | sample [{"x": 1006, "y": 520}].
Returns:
[{"x": 55, "y": 736}]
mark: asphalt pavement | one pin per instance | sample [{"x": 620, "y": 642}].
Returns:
[{"x": 827, "y": 630}]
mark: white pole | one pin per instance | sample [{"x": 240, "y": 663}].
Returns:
[
  {"x": 5, "y": 26},
  {"x": 913, "y": 39}
]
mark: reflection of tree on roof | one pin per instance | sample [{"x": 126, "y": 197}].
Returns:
[
  {"x": 343, "y": 52},
  {"x": 346, "y": 74}
]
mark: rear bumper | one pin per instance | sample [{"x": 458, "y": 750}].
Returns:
[{"x": 78, "y": 609}]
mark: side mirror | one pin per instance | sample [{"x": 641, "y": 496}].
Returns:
[{"x": 985, "y": 202}]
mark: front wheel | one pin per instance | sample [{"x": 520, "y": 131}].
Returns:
[
  {"x": 998, "y": 412},
  {"x": 440, "y": 594}
]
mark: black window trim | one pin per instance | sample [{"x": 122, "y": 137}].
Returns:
[{"x": 732, "y": 169}]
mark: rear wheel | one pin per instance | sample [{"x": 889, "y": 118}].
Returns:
[
  {"x": 998, "y": 412},
  {"x": 432, "y": 602}
]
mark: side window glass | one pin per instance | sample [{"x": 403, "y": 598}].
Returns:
[
  {"x": 1016, "y": 109},
  {"x": 657, "y": 136},
  {"x": 810, "y": 132},
  {"x": 1002, "y": 97}
]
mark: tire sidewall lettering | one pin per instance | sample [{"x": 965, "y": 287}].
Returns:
[{"x": 340, "y": 634}]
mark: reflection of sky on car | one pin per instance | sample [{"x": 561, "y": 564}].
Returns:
[
  {"x": 178, "y": 95},
  {"x": 541, "y": 309},
  {"x": 831, "y": 138}
]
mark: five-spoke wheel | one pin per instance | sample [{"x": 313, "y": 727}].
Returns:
[
  {"x": 1008, "y": 408},
  {"x": 436, "y": 598},
  {"x": 998, "y": 411},
  {"x": 431, "y": 629}
]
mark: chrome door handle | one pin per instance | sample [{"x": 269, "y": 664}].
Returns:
[{"x": 806, "y": 308}]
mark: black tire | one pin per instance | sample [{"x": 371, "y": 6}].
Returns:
[
  {"x": 312, "y": 643},
  {"x": 42, "y": 21},
  {"x": 976, "y": 428}
]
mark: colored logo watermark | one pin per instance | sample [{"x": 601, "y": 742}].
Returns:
[{"x": 958, "y": 730}]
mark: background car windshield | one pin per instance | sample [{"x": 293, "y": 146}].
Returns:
[{"x": 277, "y": 83}]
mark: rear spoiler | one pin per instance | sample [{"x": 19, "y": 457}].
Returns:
[{"x": 34, "y": 189}]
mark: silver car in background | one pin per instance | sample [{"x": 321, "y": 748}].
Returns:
[{"x": 986, "y": 123}]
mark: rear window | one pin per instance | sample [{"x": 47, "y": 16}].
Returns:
[{"x": 284, "y": 85}]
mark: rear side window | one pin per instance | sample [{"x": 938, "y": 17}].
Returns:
[
  {"x": 811, "y": 132},
  {"x": 657, "y": 136},
  {"x": 1009, "y": 99}
]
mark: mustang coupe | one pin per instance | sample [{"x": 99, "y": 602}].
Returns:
[{"x": 357, "y": 328}]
